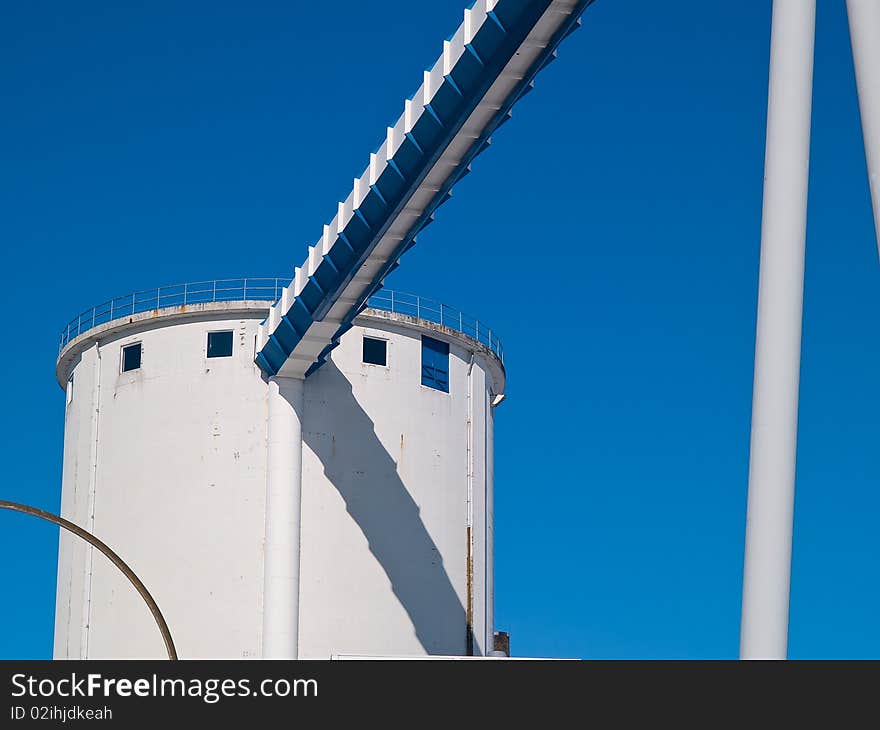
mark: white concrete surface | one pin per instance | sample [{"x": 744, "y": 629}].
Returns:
[{"x": 171, "y": 461}]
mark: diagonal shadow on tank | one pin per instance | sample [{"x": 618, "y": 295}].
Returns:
[{"x": 385, "y": 512}]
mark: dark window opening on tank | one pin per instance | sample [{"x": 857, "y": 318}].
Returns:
[
  {"x": 435, "y": 364},
  {"x": 220, "y": 344},
  {"x": 131, "y": 357},
  {"x": 375, "y": 351}
]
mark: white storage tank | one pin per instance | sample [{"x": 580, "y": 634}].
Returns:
[{"x": 165, "y": 460}]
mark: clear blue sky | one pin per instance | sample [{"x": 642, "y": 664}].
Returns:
[{"x": 167, "y": 142}]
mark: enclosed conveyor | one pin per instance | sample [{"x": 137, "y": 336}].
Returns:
[{"x": 485, "y": 67}]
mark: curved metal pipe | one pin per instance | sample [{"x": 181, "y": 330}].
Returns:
[{"x": 114, "y": 558}]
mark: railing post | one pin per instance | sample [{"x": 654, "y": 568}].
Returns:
[
  {"x": 132, "y": 302},
  {"x": 477, "y": 330},
  {"x": 158, "y": 297},
  {"x": 111, "y": 310},
  {"x": 94, "y": 311},
  {"x": 244, "y": 293},
  {"x": 460, "y": 321},
  {"x": 392, "y": 300},
  {"x": 214, "y": 292},
  {"x": 418, "y": 308},
  {"x": 184, "y": 294}
]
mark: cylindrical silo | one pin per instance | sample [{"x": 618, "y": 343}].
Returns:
[{"x": 165, "y": 459}]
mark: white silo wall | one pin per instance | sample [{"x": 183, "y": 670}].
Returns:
[{"x": 167, "y": 464}]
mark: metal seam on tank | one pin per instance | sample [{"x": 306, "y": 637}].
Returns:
[
  {"x": 470, "y": 514},
  {"x": 90, "y": 507},
  {"x": 488, "y": 627}
]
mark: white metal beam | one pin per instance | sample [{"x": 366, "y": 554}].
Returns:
[
  {"x": 767, "y": 569},
  {"x": 864, "y": 31}
]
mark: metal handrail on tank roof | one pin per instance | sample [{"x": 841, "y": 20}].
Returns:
[
  {"x": 431, "y": 310},
  {"x": 175, "y": 295},
  {"x": 269, "y": 290}
]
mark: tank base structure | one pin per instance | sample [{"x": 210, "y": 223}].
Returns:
[{"x": 165, "y": 460}]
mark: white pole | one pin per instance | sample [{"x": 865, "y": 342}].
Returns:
[
  {"x": 767, "y": 570},
  {"x": 864, "y": 31},
  {"x": 283, "y": 503}
]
